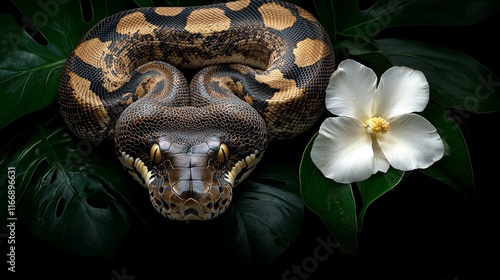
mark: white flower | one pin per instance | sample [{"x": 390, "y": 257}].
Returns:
[{"x": 375, "y": 125}]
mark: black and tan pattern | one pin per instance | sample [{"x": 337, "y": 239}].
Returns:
[{"x": 262, "y": 69}]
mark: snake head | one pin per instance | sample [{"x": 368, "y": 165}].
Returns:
[
  {"x": 191, "y": 162},
  {"x": 192, "y": 182}
]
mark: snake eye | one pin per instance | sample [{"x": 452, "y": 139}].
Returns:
[
  {"x": 155, "y": 153},
  {"x": 223, "y": 154}
]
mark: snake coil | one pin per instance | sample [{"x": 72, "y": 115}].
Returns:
[{"x": 262, "y": 69}]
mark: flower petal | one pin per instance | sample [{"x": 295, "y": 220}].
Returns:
[
  {"x": 379, "y": 161},
  {"x": 351, "y": 90},
  {"x": 343, "y": 150},
  {"x": 401, "y": 90},
  {"x": 411, "y": 143}
]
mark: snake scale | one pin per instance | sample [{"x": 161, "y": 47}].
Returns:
[{"x": 259, "y": 73}]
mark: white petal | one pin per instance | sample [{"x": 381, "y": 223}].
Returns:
[
  {"x": 401, "y": 91},
  {"x": 351, "y": 90},
  {"x": 379, "y": 161},
  {"x": 412, "y": 142},
  {"x": 343, "y": 150}
]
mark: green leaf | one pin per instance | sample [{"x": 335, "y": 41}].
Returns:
[
  {"x": 265, "y": 217},
  {"x": 383, "y": 14},
  {"x": 365, "y": 50},
  {"x": 374, "y": 187},
  {"x": 345, "y": 21},
  {"x": 455, "y": 168},
  {"x": 67, "y": 194},
  {"x": 29, "y": 71},
  {"x": 457, "y": 80},
  {"x": 333, "y": 202},
  {"x": 429, "y": 12},
  {"x": 327, "y": 16},
  {"x": 61, "y": 196}
]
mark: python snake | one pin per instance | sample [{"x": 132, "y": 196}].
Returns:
[{"x": 260, "y": 69}]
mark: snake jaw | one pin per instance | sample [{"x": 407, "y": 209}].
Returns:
[
  {"x": 137, "y": 169},
  {"x": 246, "y": 165}
]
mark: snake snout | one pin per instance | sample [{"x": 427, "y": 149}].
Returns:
[{"x": 191, "y": 200}]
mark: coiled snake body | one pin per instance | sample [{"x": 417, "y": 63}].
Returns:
[{"x": 263, "y": 67}]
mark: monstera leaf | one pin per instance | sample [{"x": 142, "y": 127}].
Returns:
[
  {"x": 67, "y": 194},
  {"x": 267, "y": 215}
]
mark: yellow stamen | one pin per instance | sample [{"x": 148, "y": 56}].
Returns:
[{"x": 377, "y": 124}]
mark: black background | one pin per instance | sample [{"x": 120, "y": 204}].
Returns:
[{"x": 422, "y": 229}]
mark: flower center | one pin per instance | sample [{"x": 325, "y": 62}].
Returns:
[{"x": 377, "y": 124}]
